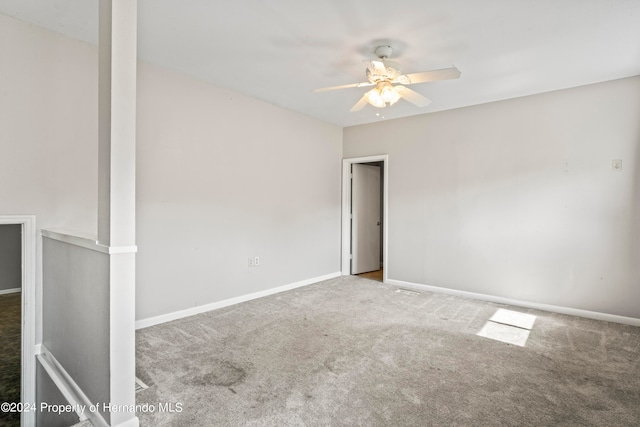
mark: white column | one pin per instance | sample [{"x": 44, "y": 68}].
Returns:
[
  {"x": 117, "y": 122},
  {"x": 116, "y": 193}
]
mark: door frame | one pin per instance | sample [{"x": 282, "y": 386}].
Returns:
[
  {"x": 28, "y": 354},
  {"x": 346, "y": 211}
]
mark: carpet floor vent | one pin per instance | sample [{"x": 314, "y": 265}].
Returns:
[
  {"x": 407, "y": 292},
  {"x": 140, "y": 385}
]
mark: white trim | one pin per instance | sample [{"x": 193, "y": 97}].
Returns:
[
  {"x": 86, "y": 241},
  {"x": 346, "y": 211},
  {"x": 152, "y": 321},
  {"x": 29, "y": 292},
  {"x": 69, "y": 388},
  {"x": 519, "y": 303},
  {"x": 111, "y": 250},
  {"x": 10, "y": 291},
  {"x": 132, "y": 422}
]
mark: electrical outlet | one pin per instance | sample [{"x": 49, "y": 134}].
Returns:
[
  {"x": 616, "y": 165},
  {"x": 251, "y": 262},
  {"x": 256, "y": 261}
]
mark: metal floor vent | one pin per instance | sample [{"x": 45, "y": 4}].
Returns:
[
  {"x": 140, "y": 385},
  {"x": 407, "y": 292}
]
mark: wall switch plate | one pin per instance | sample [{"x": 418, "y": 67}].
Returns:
[{"x": 616, "y": 165}]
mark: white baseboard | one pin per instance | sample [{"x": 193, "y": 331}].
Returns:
[
  {"x": 518, "y": 303},
  {"x": 69, "y": 388},
  {"x": 152, "y": 321},
  {"x": 10, "y": 291}
]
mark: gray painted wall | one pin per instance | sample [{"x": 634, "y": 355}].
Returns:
[
  {"x": 47, "y": 391},
  {"x": 518, "y": 198},
  {"x": 10, "y": 256},
  {"x": 76, "y": 315}
]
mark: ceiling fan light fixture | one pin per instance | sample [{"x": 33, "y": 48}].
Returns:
[
  {"x": 384, "y": 93},
  {"x": 374, "y": 98},
  {"x": 389, "y": 94}
]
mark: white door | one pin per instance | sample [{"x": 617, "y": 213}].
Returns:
[{"x": 365, "y": 225}]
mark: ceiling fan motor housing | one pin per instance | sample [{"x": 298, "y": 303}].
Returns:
[{"x": 384, "y": 51}]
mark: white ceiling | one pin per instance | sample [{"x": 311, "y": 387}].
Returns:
[{"x": 280, "y": 50}]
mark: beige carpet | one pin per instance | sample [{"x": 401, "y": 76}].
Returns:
[{"x": 354, "y": 352}]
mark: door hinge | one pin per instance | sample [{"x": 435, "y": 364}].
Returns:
[{"x": 350, "y": 256}]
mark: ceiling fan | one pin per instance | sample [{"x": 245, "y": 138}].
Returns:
[{"x": 390, "y": 84}]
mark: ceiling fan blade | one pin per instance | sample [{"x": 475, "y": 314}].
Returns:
[
  {"x": 412, "y": 96},
  {"x": 359, "y": 105},
  {"x": 326, "y": 89},
  {"x": 431, "y": 76},
  {"x": 378, "y": 68}
]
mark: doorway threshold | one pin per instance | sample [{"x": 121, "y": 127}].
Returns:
[{"x": 372, "y": 275}]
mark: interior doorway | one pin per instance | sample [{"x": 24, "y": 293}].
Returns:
[
  {"x": 17, "y": 316},
  {"x": 364, "y": 217}
]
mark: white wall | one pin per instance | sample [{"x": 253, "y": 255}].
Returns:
[
  {"x": 517, "y": 198},
  {"x": 48, "y": 122},
  {"x": 10, "y": 256},
  {"x": 48, "y": 136},
  {"x": 223, "y": 177}
]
